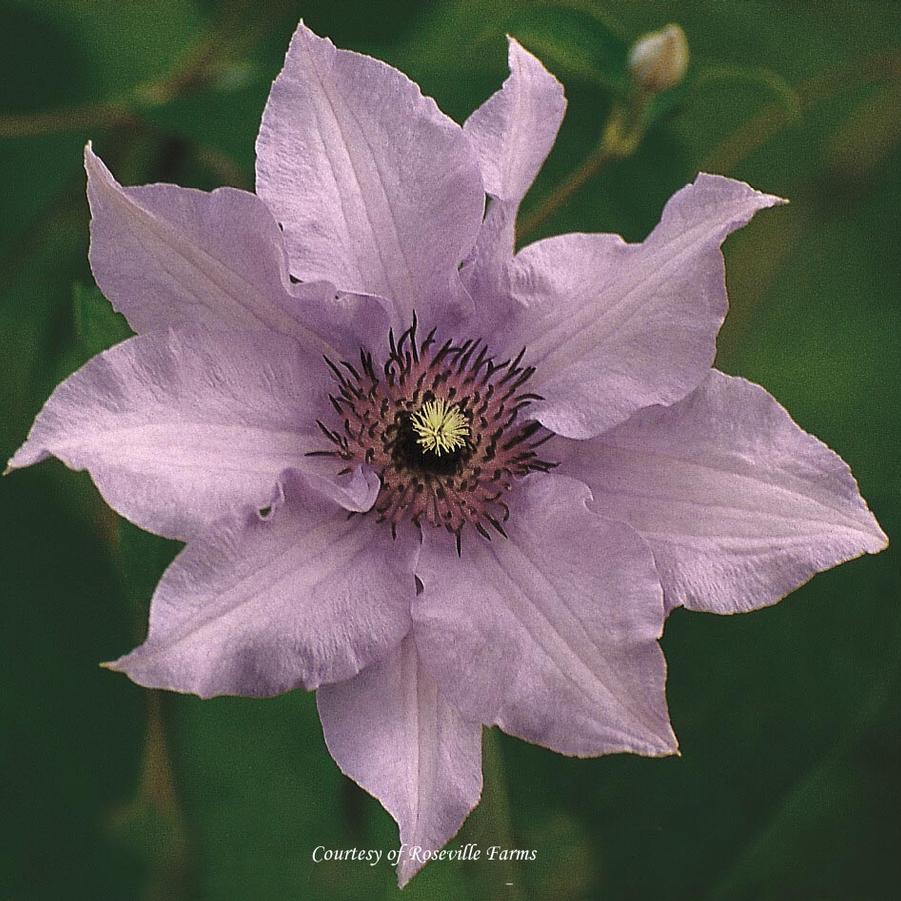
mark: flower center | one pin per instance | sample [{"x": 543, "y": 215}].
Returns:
[
  {"x": 441, "y": 427},
  {"x": 445, "y": 428}
]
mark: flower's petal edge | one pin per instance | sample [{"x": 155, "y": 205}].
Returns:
[
  {"x": 513, "y": 132},
  {"x": 738, "y": 503},
  {"x": 167, "y": 257},
  {"x": 392, "y": 731},
  {"x": 377, "y": 190},
  {"x": 613, "y": 327},
  {"x": 261, "y": 604},
  {"x": 552, "y": 634},
  {"x": 179, "y": 427}
]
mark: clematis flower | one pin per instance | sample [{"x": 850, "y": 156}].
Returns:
[{"x": 443, "y": 483}]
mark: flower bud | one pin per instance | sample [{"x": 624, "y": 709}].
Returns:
[{"x": 658, "y": 60}]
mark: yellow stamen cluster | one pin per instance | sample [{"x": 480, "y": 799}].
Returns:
[{"x": 440, "y": 427}]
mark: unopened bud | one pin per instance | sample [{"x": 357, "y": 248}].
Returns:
[{"x": 657, "y": 61}]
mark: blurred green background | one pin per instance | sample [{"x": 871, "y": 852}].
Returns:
[{"x": 789, "y": 786}]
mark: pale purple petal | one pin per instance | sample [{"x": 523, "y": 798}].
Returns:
[
  {"x": 740, "y": 506},
  {"x": 512, "y": 132},
  {"x": 613, "y": 327},
  {"x": 355, "y": 491},
  {"x": 260, "y": 605},
  {"x": 391, "y": 731},
  {"x": 552, "y": 634},
  {"x": 378, "y": 191},
  {"x": 178, "y": 427},
  {"x": 167, "y": 256}
]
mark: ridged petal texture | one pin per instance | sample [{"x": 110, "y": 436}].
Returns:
[
  {"x": 180, "y": 427},
  {"x": 615, "y": 327},
  {"x": 377, "y": 190},
  {"x": 296, "y": 597},
  {"x": 552, "y": 634},
  {"x": 167, "y": 257},
  {"x": 739, "y": 504},
  {"x": 513, "y": 132},
  {"x": 393, "y": 731},
  {"x": 677, "y": 485}
]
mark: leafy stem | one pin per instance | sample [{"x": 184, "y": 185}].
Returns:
[{"x": 620, "y": 138}]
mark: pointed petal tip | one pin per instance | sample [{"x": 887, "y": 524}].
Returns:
[
  {"x": 881, "y": 539},
  {"x": 662, "y": 744},
  {"x": 516, "y": 49},
  {"x": 137, "y": 666},
  {"x": 667, "y": 742},
  {"x": 513, "y": 46},
  {"x": 28, "y": 454},
  {"x": 90, "y": 158},
  {"x": 668, "y": 748},
  {"x": 652, "y": 746},
  {"x": 95, "y": 167},
  {"x": 117, "y": 665},
  {"x": 671, "y": 748},
  {"x": 404, "y": 875},
  {"x": 761, "y": 197}
]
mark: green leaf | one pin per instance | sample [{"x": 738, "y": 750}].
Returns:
[{"x": 573, "y": 43}]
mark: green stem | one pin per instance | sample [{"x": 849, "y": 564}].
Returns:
[
  {"x": 620, "y": 138},
  {"x": 194, "y": 70}
]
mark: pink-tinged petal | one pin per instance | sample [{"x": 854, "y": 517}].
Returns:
[
  {"x": 378, "y": 191},
  {"x": 178, "y": 427},
  {"x": 355, "y": 491},
  {"x": 552, "y": 634},
  {"x": 739, "y": 505},
  {"x": 512, "y": 132},
  {"x": 167, "y": 256},
  {"x": 392, "y": 731},
  {"x": 260, "y": 605},
  {"x": 614, "y": 327}
]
